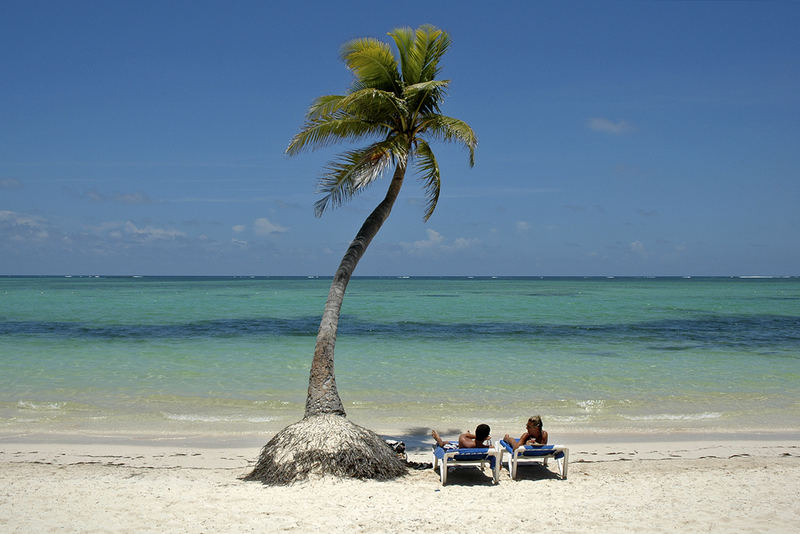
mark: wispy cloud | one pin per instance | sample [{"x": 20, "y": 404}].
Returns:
[
  {"x": 130, "y": 231},
  {"x": 616, "y": 127},
  {"x": 21, "y": 227},
  {"x": 436, "y": 242},
  {"x": 122, "y": 198},
  {"x": 264, "y": 226},
  {"x": 638, "y": 248},
  {"x": 523, "y": 226},
  {"x": 132, "y": 198},
  {"x": 151, "y": 233},
  {"x": 246, "y": 199},
  {"x": 578, "y": 208},
  {"x": 10, "y": 183}
]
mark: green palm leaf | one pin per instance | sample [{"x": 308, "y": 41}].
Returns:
[
  {"x": 451, "y": 130},
  {"x": 424, "y": 97},
  {"x": 428, "y": 169},
  {"x": 436, "y": 44},
  {"x": 319, "y": 133},
  {"x": 324, "y": 106},
  {"x": 355, "y": 170},
  {"x": 374, "y": 105},
  {"x": 372, "y": 63}
]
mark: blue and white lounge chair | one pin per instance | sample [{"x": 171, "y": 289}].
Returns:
[
  {"x": 452, "y": 455},
  {"x": 536, "y": 453}
]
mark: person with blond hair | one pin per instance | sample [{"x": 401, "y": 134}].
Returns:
[{"x": 534, "y": 435}]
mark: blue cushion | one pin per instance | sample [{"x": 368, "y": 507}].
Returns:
[
  {"x": 465, "y": 454},
  {"x": 535, "y": 450}
]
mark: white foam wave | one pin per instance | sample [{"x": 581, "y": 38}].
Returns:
[
  {"x": 195, "y": 418},
  {"x": 674, "y": 417},
  {"x": 592, "y": 405},
  {"x": 28, "y": 405}
]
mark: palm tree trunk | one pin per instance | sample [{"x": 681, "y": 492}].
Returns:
[{"x": 322, "y": 394}]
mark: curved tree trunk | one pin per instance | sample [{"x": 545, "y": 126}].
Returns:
[{"x": 322, "y": 394}]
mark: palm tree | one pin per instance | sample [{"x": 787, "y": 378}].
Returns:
[{"x": 396, "y": 106}]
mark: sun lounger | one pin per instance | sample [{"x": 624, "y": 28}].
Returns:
[
  {"x": 455, "y": 456},
  {"x": 536, "y": 453}
]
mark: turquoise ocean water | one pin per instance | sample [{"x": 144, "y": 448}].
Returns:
[{"x": 228, "y": 357}]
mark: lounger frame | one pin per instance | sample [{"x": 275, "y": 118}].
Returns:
[
  {"x": 467, "y": 457},
  {"x": 536, "y": 453}
]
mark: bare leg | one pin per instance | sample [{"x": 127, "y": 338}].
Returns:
[
  {"x": 437, "y": 439},
  {"x": 511, "y": 441}
]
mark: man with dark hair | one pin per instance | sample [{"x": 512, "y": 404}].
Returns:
[{"x": 468, "y": 440}]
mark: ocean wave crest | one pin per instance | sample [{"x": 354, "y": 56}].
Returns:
[
  {"x": 197, "y": 418},
  {"x": 674, "y": 417},
  {"x": 41, "y": 406}
]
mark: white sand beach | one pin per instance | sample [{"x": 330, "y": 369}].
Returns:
[{"x": 646, "y": 486}]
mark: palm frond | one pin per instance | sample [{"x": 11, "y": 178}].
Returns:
[
  {"x": 324, "y": 105},
  {"x": 372, "y": 63},
  {"x": 424, "y": 97},
  {"x": 434, "y": 43},
  {"x": 319, "y": 133},
  {"x": 356, "y": 169},
  {"x": 374, "y": 105},
  {"x": 451, "y": 130},
  {"x": 404, "y": 41},
  {"x": 420, "y": 51},
  {"x": 428, "y": 169}
]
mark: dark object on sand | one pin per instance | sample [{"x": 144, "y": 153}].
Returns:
[{"x": 325, "y": 444}]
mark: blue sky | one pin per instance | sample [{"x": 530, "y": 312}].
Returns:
[{"x": 615, "y": 138}]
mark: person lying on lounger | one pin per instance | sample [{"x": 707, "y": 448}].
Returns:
[
  {"x": 467, "y": 440},
  {"x": 534, "y": 435}
]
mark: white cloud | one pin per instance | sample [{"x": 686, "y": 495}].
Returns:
[
  {"x": 617, "y": 127},
  {"x": 132, "y": 198},
  {"x": 94, "y": 196},
  {"x": 151, "y": 233},
  {"x": 10, "y": 183},
  {"x": 463, "y": 242},
  {"x": 637, "y": 247},
  {"x": 435, "y": 239},
  {"x": 21, "y": 227},
  {"x": 239, "y": 228},
  {"x": 18, "y": 219},
  {"x": 122, "y": 198},
  {"x": 523, "y": 226},
  {"x": 263, "y": 226},
  {"x": 436, "y": 242}
]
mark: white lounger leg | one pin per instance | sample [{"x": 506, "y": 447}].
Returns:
[{"x": 563, "y": 464}]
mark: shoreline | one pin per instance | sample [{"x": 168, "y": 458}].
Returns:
[
  {"x": 416, "y": 439},
  {"x": 142, "y": 453}
]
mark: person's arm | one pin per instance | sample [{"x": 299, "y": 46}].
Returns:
[
  {"x": 516, "y": 444},
  {"x": 544, "y": 437}
]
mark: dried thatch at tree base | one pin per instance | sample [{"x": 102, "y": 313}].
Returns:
[{"x": 325, "y": 444}]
